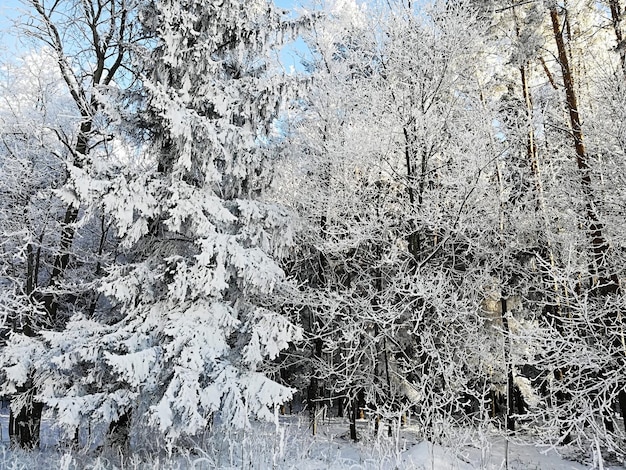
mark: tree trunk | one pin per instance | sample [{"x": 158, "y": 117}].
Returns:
[
  {"x": 118, "y": 434},
  {"x": 616, "y": 20},
  {"x": 621, "y": 397},
  {"x": 354, "y": 415},
  {"x": 413, "y": 239},
  {"x": 340, "y": 410},
  {"x": 312, "y": 393},
  {"x": 24, "y": 427},
  {"x": 510, "y": 394}
]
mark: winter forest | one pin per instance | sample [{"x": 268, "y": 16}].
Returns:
[{"x": 420, "y": 226}]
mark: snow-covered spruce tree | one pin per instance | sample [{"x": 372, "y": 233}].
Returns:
[{"x": 197, "y": 290}]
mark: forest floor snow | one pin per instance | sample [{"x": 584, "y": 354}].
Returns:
[{"x": 292, "y": 446}]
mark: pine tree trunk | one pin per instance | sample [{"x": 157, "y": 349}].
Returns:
[
  {"x": 616, "y": 20},
  {"x": 606, "y": 281}
]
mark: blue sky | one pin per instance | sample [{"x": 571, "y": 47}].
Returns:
[
  {"x": 8, "y": 10},
  {"x": 8, "y": 7}
]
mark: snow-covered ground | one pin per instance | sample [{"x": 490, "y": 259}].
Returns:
[{"x": 291, "y": 446}]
